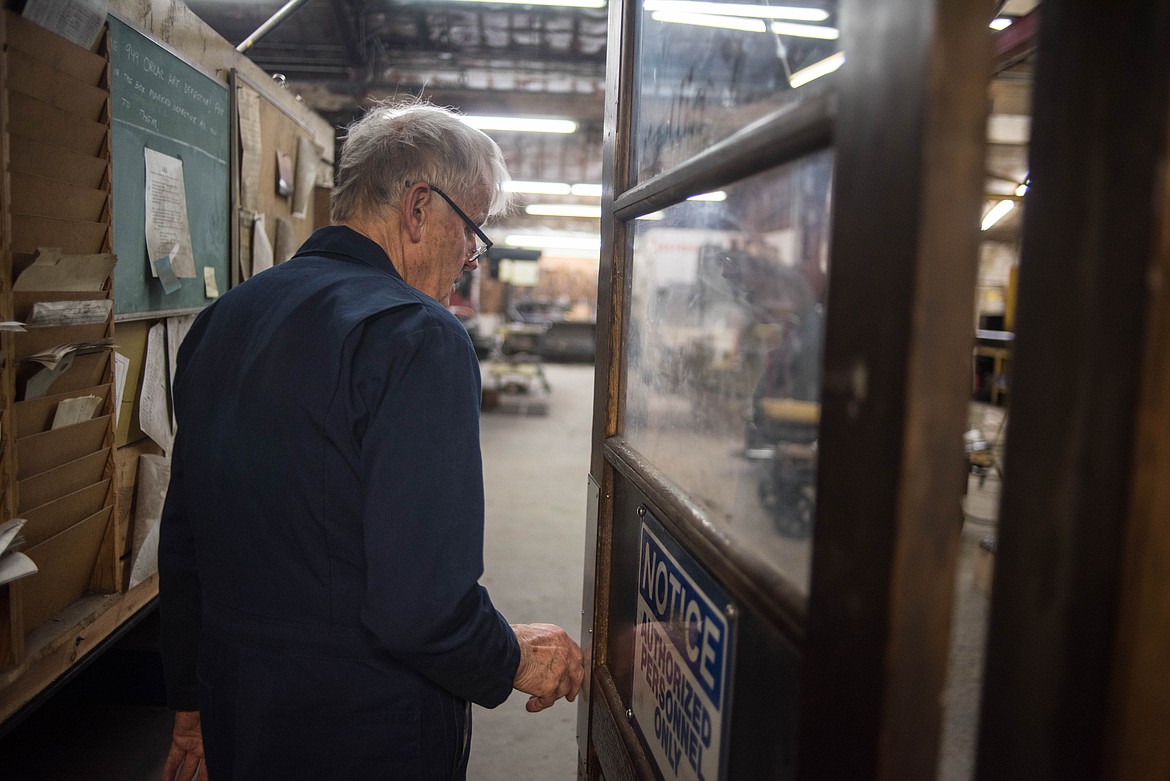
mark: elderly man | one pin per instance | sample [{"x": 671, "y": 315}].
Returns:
[{"x": 323, "y": 532}]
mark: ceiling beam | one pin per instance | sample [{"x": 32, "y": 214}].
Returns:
[
  {"x": 351, "y": 36},
  {"x": 340, "y": 95}
]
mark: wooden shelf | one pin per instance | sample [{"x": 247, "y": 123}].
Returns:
[{"x": 54, "y": 648}]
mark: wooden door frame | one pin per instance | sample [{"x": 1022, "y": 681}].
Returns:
[
  {"x": 897, "y": 350},
  {"x": 1076, "y": 681}
]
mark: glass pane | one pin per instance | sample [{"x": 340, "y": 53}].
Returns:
[
  {"x": 707, "y": 69},
  {"x": 724, "y": 353}
]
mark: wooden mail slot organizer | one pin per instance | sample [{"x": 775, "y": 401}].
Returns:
[{"x": 57, "y": 472}]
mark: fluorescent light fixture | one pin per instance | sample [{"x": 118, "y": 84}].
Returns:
[
  {"x": 587, "y": 210},
  {"x": 816, "y": 70},
  {"x": 537, "y": 188},
  {"x": 997, "y": 213},
  {"x": 710, "y": 20},
  {"x": 716, "y": 15},
  {"x": 564, "y": 210},
  {"x": 587, "y": 190},
  {"x": 553, "y": 241},
  {"x": 806, "y": 31},
  {"x": 739, "y": 9},
  {"x": 561, "y": 3},
  {"x": 521, "y": 124},
  {"x": 1000, "y": 23}
]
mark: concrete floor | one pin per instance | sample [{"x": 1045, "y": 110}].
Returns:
[
  {"x": 535, "y": 474},
  {"x": 961, "y": 698}
]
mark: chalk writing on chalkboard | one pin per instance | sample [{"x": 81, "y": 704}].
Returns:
[
  {"x": 162, "y": 91},
  {"x": 162, "y": 104}
]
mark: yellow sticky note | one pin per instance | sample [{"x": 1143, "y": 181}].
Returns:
[{"x": 209, "y": 282}]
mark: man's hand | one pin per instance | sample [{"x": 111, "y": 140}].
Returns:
[
  {"x": 185, "y": 760},
  {"x": 551, "y": 665}
]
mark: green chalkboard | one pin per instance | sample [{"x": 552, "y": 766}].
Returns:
[{"x": 161, "y": 102}]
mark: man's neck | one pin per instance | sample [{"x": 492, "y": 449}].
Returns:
[{"x": 382, "y": 232}]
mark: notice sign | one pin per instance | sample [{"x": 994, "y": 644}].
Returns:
[{"x": 682, "y": 652}]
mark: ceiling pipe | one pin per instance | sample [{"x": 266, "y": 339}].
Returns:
[{"x": 288, "y": 10}]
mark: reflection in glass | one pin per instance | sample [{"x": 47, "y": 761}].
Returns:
[
  {"x": 707, "y": 69},
  {"x": 724, "y": 353}
]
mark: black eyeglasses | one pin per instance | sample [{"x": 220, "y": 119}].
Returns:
[{"x": 479, "y": 252}]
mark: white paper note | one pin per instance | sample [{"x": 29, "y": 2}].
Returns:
[
  {"x": 286, "y": 241},
  {"x": 146, "y": 559},
  {"x": 308, "y": 159},
  {"x": 177, "y": 328},
  {"x": 261, "y": 247},
  {"x": 78, "y": 410},
  {"x": 46, "y": 313},
  {"x": 121, "y": 369},
  {"x": 166, "y": 214},
  {"x": 250, "y": 145},
  {"x": 154, "y": 475},
  {"x": 247, "y": 223},
  {"x": 14, "y": 566},
  {"x": 8, "y": 532},
  {"x": 153, "y": 415},
  {"x": 79, "y": 21}
]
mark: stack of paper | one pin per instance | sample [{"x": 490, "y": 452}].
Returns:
[
  {"x": 51, "y": 357},
  {"x": 49, "y": 313},
  {"x": 58, "y": 360},
  {"x": 76, "y": 410},
  {"x": 13, "y": 563}
]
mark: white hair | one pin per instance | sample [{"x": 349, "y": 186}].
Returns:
[{"x": 397, "y": 144}]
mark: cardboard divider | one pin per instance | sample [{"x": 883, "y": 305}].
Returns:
[
  {"x": 42, "y": 452},
  {"x": 33, "y": 77},
  {"x": 63, "y": 480},
  {"x": 36, "y": 415},
  {"x": 51, "y": 519},
  {"x": 52, "y": 49},
  {"x": 44, "y": 197},
  {"x": 36, "y": 119},
  {"x": 36, "y": 340},
  {"x": 87, "y": 370},
  {"x": 66, "y": 563},
  {"x": 23, "y": 300},
  {"x": 73, "y": 237},
  {"x": 23, "y": 261},
  {"x": 35, "y": 156}
]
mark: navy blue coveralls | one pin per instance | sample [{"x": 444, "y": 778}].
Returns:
[{"x": 322, "y": 538}]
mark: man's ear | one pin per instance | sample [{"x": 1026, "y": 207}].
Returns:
[{"x": 416, "y": 201}]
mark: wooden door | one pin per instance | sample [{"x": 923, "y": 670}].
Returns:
[{"x": 788, "y": 263}]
